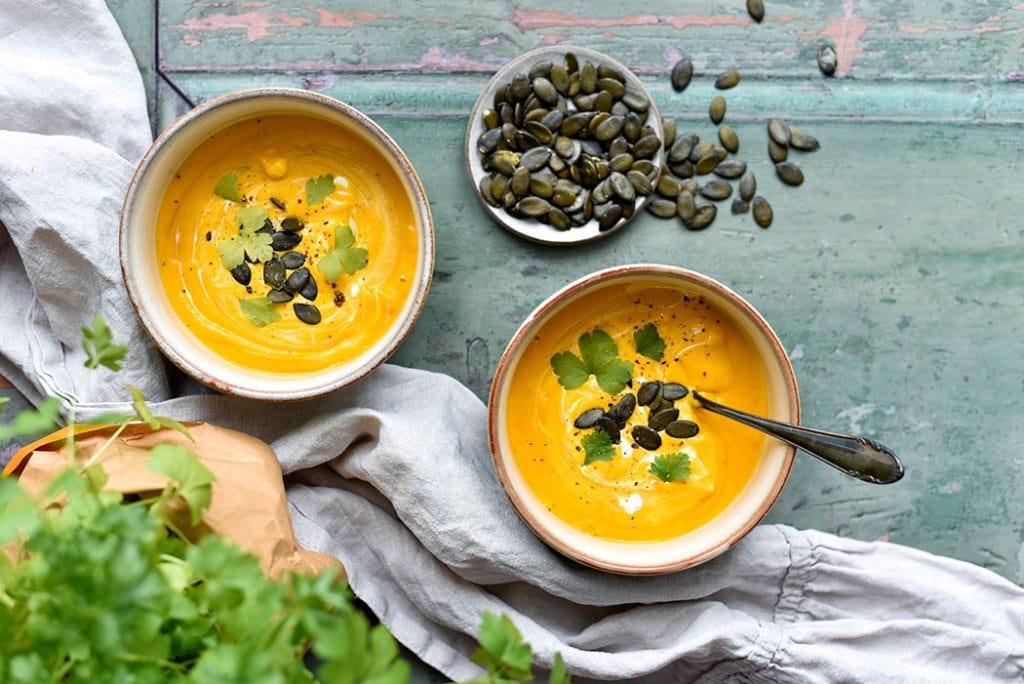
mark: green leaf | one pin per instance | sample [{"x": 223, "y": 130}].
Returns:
[
  {"x": 317, "y": 189},
  {"x": 250, "y": 219},
  {"x": 558, "y": 674},
  {"x": 671, "y": 467},
  {"x": 144, "y": 415},
  {"x": 570, "y": 370},
  {"x": 33, "y": 422},
  {"x": 343, "y": 258},
  {"x": 597, "y": 446},
  {"x": 227, "y": 187},
  {"x": 99, "y": 347},
  {"x": 502, "y": 649},
  {"x": 600, "y": 359},
  {"x": 248, "y": 242},
  {"x": 649, "y": 343},
  {"x": 189, "y": 478},
  {"x": 110, "y": 418},
  {"x": 19, "y": 517},
  {"x": 259, "y": 310}
]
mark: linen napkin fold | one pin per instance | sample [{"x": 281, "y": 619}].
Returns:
[{"x": 393, "y": 475}]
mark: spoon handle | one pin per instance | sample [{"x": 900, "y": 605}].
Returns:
[{"x": 858, "y": 457}]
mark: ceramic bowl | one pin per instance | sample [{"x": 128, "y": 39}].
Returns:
[
  {"x": 528, "y": 228},
  {"x": 737, "y": 518},
  {"x": 138, "y": 250}
]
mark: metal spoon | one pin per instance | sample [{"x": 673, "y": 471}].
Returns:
[{"x": 858, "y": 457}]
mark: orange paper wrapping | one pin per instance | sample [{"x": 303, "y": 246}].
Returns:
[{"x": 248, "y": 506}]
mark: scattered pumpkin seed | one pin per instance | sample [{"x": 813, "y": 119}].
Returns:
[
  {"x": 640, "y": 182},
  {"x": 703, "y": 217},
  {"x": 728, "y": 80},
  {"x": 748, "y": 186},
  {"x": 663, "y": 208},
  {"x": 682, "y": 72},
  {"x": 588, "y": 419},
  {"x": 668, "y": 131},
  {"x": 701, "y": 150},
  {"x": 646, "y": 437},
  {"x": 740, "y": 206},
  {"x": 827, "y": 60},
  {"x": 686, "y": 207},
  {"x": 716, "y": 190},
  {"x": 280, "y": 296},
  {"x": 649, "y": 393},
  {"x": 789, "y": 173},
  {"x": 776, "y": 152},
  {"x": 607, "y": 425},
  {"x": 310, "y": 290},
  {"x": 707, "y": 164},
  {"x": 670, "y": 186},
  {"x": 623, "y": 410},
  {"x": 533, "y": 207},
  {"x": 682, "y": 429},
  {"x": 778, "y": 131},
  {"x": 293, "y": 260},
  {"x": 280, "y": 205},
  {"x": 802, "y": 141},
  {"x": 291, "y": 225},
  {"x": 762, "y": 211},
  {"x": 730, "y": 168},
  {"x": 297, "y": 280},
  {"x": 274, "y": 272},
  {"x": 307, "y": 313},
  {"x": 659, "y": 420},
  {"x": 673, "y": 391},
  {"x": 729, "y": 139},
  {"x": 755, "y": 8},
  {"x": 717, "y": 109},
  {"x": 682, "y": 147},
  {"x": 284, "y": 242},
  {"x": 243, "y": 275}
]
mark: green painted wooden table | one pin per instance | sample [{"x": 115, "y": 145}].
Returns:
[{"x": 894, "y": 276}]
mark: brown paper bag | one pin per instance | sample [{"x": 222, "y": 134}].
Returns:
[{"x": 248, "y": 506}]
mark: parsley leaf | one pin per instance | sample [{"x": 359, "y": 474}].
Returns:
[
  {"x": 248, "y": 242},
  {"x": 227, "y": 187},
  {"x": 317, "y": 189},
  {"x": 649, "y": 343},
  {"x": 600, "y": 359},
  {"x": 259, "y": 310},
  {"x": 344, "y": 257},
  {"x": 598, "y": 447},
  {"x": 144, "y": 415},
  {"x": 31, "y": 423},
  {"x": 502, "y": 649},
  {"x": 558, "y": 674},
  {"x": 250, "y": 219},
  {"x": 671, "y": 467},
  {"x": 98, "y": 344},
  {"x": 189, "y": 478}
]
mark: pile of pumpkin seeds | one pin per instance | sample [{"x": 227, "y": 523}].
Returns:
[
  {"x": 662, "y": 416},
  {"x": 569, "y": 142},
  {"x": 688, "y": 157}
]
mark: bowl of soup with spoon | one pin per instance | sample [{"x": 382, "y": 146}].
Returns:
[{"x": 596, "y": 437}]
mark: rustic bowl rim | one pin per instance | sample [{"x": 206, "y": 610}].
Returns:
[
  {"x": 536, "y": 231},
  {"x": 339, "y": 376},
  {"x": 529, "y": 327}
]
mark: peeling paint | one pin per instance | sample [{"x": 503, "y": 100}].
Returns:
[
  {"x": 527, "y": 20},
  {"x": 257, "y": 25},
  {"x": 189, "y": 39},
  {"x": 846, "y": 33}
]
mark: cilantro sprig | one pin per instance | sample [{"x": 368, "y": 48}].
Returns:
[
  {"x": 649, "y": 343},
  {"x": 344, "y": 258},
  {"x": 671, "y": 467},
  {"x": 597, "y": 446},
  {"x": 507, "y": 657},
  {"x": 249, "y": 242},
  {"x": 317, "y": 189},
  {"x": 227, "y": 188},
  {"x": 259, "y": 310},
  {"x": 100, "y": 348},
  {"x": 599, "y": 356}
]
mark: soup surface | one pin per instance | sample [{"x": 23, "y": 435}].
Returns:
[
  {"x": 622, "y": 490},
  {"x": 346, "y": 206}
]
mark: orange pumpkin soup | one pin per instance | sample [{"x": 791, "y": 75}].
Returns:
[
  {"x": 620, "y": 490},
  {"x": 260, "y": 201}
]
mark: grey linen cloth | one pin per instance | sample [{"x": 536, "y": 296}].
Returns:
[{"x": 393, "y": 475}]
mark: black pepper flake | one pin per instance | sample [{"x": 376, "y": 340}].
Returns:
[
  {"x": 209, "y": 235},
  {"x": 339, "y": 298}
]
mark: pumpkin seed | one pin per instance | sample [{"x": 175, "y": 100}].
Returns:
[
  {"x": 682, "y": 72},
  {"x": 621, "y": 162},
  {"x": 499, "y": 186},
  {"x": 545, "y": 90},
  {"x": 291, "y": 225},
  {"x": 541, "y": 133},
  {"x": 727, "y": 80},
  {"x": 243, "y": 275},
  {"x": 635, "y": 101},
  {"x": 789, "y": 173},
  {"x": 673, "y": 391},
  {"x": 730, "y": 168},
  {"x": 588, "y": 419},
  {"x": 293, "y": 260},
  {"x": 280, "y": 205},
  {"x": 716, "y": 190},
  {"x": 296, "y": 281},
  {"x": 701, "y": 150},
  {"x": 686, "y": 208},
  {"x": 280, "y": 296},
  {"x": 632, "y": 128},
  {"x": 740, "y": 206},
  {"x": 670, "y": 186},
  {"x": 682, "y": 429},
  {"x": 307, "y": 313},
  {"x": 488, "y": 141},
  {"x": 707, "y": 164},
  {"x": 310, "y": 289},
  {"x": 553, "y": 119},
  {"x": 608, "y": 216},
  {"x": 827, "y": 60},
  {"x": 762, "y": 211},
  {"x": 640, "y": 182},
  {"x": 662, "y": 208},
  {"x": 802, "y": 141},
  {"x": 691, "y": 186},
  {"x": 284, "y": 242},
  {"x": 703, "y": 217},
  {"x": 542, "y": 183},
  {"x": 274, "y": 272},
  {"x": 505, "y": 162},
  {"x": 668, "y": 131},
  {"x": 646, "y": 437},
  {"x": 607, "y": 129},
  {"x": 612, "y": 86},
  {"x": 533, "y": 207},
  {"x": 717, "y": 109},
  {"x": 646, "y": 147},
  {"x": 776, "y": 152},
  {"x": 622, "y": 187},
  {"x": 588, "y": 77},
  {"x": 572, "y": 62},
  {"x": 540, "y": 69},
  {"x": 683, "y": 169},
  {"x": 779, "y": 131},
  {"x": 729, "y": 139},
  {"x": 558, "y": 219},
  {"x": 559, "y": 78},
  {"x": 535, "y": 159},
  {"x": 649, "y": 393},
  {"x": 520, "y": 183},
  {"x": 682, "y": 147},
  {"x": 623, "y": 410},
  {"x": 603, "y": 101},
  {"x": 485, "y": 190},
  {"x": 659, "y": 420},
  {"x": 748, "y": 186},
  {"x": 755, "y": 8},
  {"x": 607, "y": 425}
]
